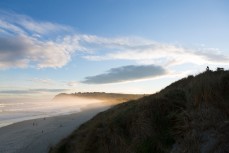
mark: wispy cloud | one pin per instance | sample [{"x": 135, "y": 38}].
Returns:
[
  {"x": 22, "y": 24},
  {"x": 32, "y": 91},
  {"x": 126, "y": 73},
  {"x": 162, "y": 54},
  {"x": 72, "y": 83},
  {"x": 25, "y": 42},
  {"x": 42, "y": 81}
]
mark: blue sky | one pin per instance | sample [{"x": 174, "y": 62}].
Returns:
[{"x": 130, "y": 46}]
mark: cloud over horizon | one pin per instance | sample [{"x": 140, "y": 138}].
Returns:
[
  {"x": 126, "y": 73},
  {"x": 32, "y": 91}
]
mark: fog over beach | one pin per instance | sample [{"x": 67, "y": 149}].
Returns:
[
  {"x": 38, "y": 135},
  {"x": 18, "y": 110},
  {"x": 35, "y": 125}
]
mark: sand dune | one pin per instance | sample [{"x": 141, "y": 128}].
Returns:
[{"x": 36, "y": 136}]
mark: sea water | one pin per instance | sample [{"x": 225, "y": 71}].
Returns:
[{"x": 14, "y": 111}]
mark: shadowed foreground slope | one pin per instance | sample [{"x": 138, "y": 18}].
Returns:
[{"x": 191, "y": 115}]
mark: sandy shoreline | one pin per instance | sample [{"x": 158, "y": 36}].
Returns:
[{"x": 37, "y": 135}]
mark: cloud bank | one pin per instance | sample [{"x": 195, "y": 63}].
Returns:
[{"x": 126, "y": 73}]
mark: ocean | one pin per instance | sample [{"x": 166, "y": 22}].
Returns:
[{"x": 14, "y": 111}]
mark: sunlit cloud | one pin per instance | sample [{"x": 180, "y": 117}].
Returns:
[{"x": 126, "y": 73}]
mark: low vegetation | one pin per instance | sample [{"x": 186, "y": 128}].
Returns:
[{"x": 191, "y": 115}]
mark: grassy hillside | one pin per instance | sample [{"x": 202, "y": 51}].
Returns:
[{"x": 191, "y": 115}]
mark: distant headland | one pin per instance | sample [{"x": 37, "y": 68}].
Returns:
[{"x": 106, "y": 97}]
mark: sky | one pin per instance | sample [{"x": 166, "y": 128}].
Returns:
[{"x": 126, "y": 46}]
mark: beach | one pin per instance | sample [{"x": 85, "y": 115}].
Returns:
[{"x": 38, "y": 135}]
